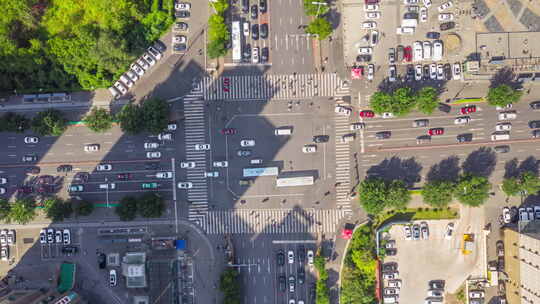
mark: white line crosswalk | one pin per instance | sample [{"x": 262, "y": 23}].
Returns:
[
  {"x": 270, "y": 87},
  {"x": 194, "y": 114},
  {"x": 343, "y": 179},
  {"x": 272, "y": 221}
]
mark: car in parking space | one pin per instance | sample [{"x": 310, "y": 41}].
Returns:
[
  {"x": 255, "y": 31},
  {"x": 437, "y": 50},
  {"x": 112, "y": 275},
  {"x": 185, "y": 185},
  {"x": 505, "y": 107},
  {"x": 104, "y": 167},
  {"x": 148, "y": 59},
  {"x": 220, "y": 164},
  {"x": 29, "y": 158},
  {"x": 534, "y": 124},
  {"x": 202, "y": 147},
  {"x": 369, "y": 25},
  {"x": 391, "y": 55},
  {"x": 3, "y": 180},
  {"x": 255, "y": 55},
  {"x": 301, "y": 275},
  {"x": 143, "y": 64},
  {"x": 280, "y": 258},
  {"x": 423, "y": 139},
  {"x": 181, "y": 27},
  {"x": 418, "y": 72},
  {"x": 137, "y": 69},
  {"x": 211, "y": 174},
  {"x": 164, "y": 136},
  {"x": 394, "y": 283},
  {"x": 31, "y": 140},
  {"x": 124, "y": 176},
  {"x": 43, "y": 236},
  {"x": 374, "y": 37},
  {"x": 433, "y": 71},
  {"x": 179, "y": 39},
  {"x": 436, "y": 131},
  {"x": 407, "y": 232},
  {"x": 182, "y": 6},
  {"x": 426, "y": 47},
  {"x": 508, "y": 115},
  {"x": 3, "y": 237},
  {"x": 243, "y": 153},
  {"x": 436, "y": 284},
  {"x": 462, "y": 120},
  {"x": 424, "y": 231},
  {"x": 389, "y": 267},
  {"x": 363, "y": 58},
  {"x": 50, "y": 235},
  {"x": 172, "y": 126},
  {"x": 11, "y": 238},
  {"x": 371, "y": 7},
  {"x": 407, "y": 53},
  {"x": 292, "y": 283},
  {"x": 416, "y": 232},
  {"x": 310, "y": 257},
  {"x": 436, "y": 293},
  {"x": 530, "y": 213},
  {"x": 182, "y": 14},
  {"x": 409, "y": 75},
  {"x": 120, "y": 87},
  {"x": 391, "y": 291},
  {"x": 535, "y": 133},
  {"x": 503, "y": 126},
  {"x": 4, "y": 253},
  {"x": 342, "y": 111},
  {"x": 391, "y": 275},
  {"x": 264, "y": 30},
  {"x": 446, "y": 17},
  {"x": 370, "y": 71},
  {"x": 387, "y": 115},
  {"x": 445, "y": 5},
  {"x": 149, "y": 185},
  {"x": 392, "y": 74},
  {"x": 309, "y": 149},
  {"x": 535, "y": 105},
  {"x": 265, "y": 53},
  {"x": 456, "y": 71},
  {"x": 506, "y": 216},
  {"x": 254, "y": 11},
  {"x": 290, "y": 256},
  {"x": 447, "y": 71},
  {"x": 76, "y": 188},
  {"x": 417, "y": 51},
  {"x": 180, "y": 48},
  {"x": 282, "y": 283},
  {"x": 410, "y": 2},
  {"x": 423, "y": 14},
  {"x": 449, "y": 231},
  {"x": 154, "y": 154},
  {"x": 247, "y": 143},
  {"x": 383, "y": 135},
  {"x": 425, "y": 74},
  {"x": 262, "y": 6},
  {"x": 91, "y": 148},
  {"x": 440, "y": 72},
  {"x": 366, "y": 114},
  {"x": 447, "y": 26},
  {"x": 536, "y": 213},
  {"x": 155, "y": 53},
  {"x": 132, "y": 75},
  {"x": 365, "y": 50},
  {"x": 373, "y": 15},
  {"x": 66, "y": 236},
  {"x": 468, "y": 109}
]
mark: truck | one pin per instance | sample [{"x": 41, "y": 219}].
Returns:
[{"x": 467, "y": 243}]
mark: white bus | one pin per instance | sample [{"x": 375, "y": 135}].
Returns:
[
  {"x": 236, "y": 42},
  {"x": 268, "y": 171},
  {"x": 294, "y": 181}
]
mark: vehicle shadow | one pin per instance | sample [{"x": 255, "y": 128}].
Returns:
[
  {"x": 446, "y": 170},
  {"x": 480, "y": 162},
  {"x": 407, "y": 170}
]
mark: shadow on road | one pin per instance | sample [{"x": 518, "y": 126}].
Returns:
[
  {"x": 407, "y": 170},
  {"x": 513, "y": 170},
  {"x": 480, "y": 162},
  {"x": 447, "y": 170}
]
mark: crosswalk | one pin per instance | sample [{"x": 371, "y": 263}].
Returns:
[
  {"x": 343, "y": 179},
  {"x": 270, "y": 87},
  {"x": 194, "y": 130},
  {"x": 272, "y": 221}
]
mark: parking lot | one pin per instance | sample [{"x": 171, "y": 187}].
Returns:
[{"x": 439, "y": 258}]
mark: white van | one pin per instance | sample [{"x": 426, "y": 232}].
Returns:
[
  {"x": 504, "y": 135},
  {"x": 256, "y": 161},
  {"x": 283, "y": 131},
  {"x": 390, "y": 299}
]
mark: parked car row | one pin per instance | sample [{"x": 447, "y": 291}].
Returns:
[
  {"x": 392, "y": 285},
  {"x": 7, "y": 238},
  {"x": 52, "y": 236},
  {"x": 417, "y": 231},
  {"x": 435, "y": 292},
  {"x": 182, "y": 13}
]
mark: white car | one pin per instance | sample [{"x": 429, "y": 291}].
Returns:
[
  {"x": 503, "y": 126},
  {"x": 427, "y": 3},
  {"x": 246, "y": 29},
  {"x": 392, "y": 74},
  {"x": 155, "y": 53},
  {"x": 507, "y": 115},
  {"x": 120, "y": 87},
  {"x": 427, "y": 50},
  {"x": 446, "y": 17},
  {"x": 179, "y": 39},
  {"x": 113, "y": 279},
  {"x": 309, "y": 149},
  {"x": 137, "y": 69},
  {"x": 440, "y": 72},
  {"x": 387, "y": 115},
  {"x": 371, "y": 7},
  {"x": 3, "y": 180},
  {"x": 66, "y": 236},
  {"x": 423, "y": 14},
  {"x": 394, "y": 283},
  {"x": 149, "y": 59},
  {"x": 418, "y": 72},
  {"x": 462, "y": 120},
  {"x": 342, "y": 111},
  {"x": 182, "y": 6},
  {"x": 418, "y": 51},
  {"x": 456, "y": 71},
  {"x": 373, "y": 15},
  {"x": 132, "y": 75},
  {"x": 370, "y": 71},
  {"x": 155, "y": 154},
  {"x": 220, "y": 164},
  {"x": 91, "y": 148},
  {"x": 369, "y": 25},
  {"x": 185, "y": 185},
  {"x": 58, "y": 237},
  {"x": 437, "y": 50},
  {"x": 2, "y": 190},
  {"x": 211, "y": 174},
  {"x": 125, "y": 80},
  {"x": 43, "y": 236},
  {"x": 310, "y": 257},
  {"x": 408, "y": 233},
  {"x": 247, "y": 143},
  {"x": 187, "y": 165},
  {"x": 290, "y": 256},
  {"x": 31, "y": 140},
  {"x": 365, "y": 50},
  {"x": 255, "y": 55},
  {"x": 506, "y": 107},
  {"x": 172, "y": 127},
  {"x": 3, "y": 237},
  {"x": 202, "y": 147},
  {"x": 143, "y": 64},
  {"x": 11, "y": 237},
  {"x": 356, "y": 126},
  {"x": 151, "y": 145},
  {"x": 164, "y": 136},
  {"x": 507, "y": 218},
  {"x": 391, "y": 276},
  {"x": 445, "y": 5},
  {"x": 433, "y": 71},
  {"x": 104, "y": 167},
  {"x": 435, "y": 293},
  {"x": 164, "y": 175},
  {"x": 410, "y": 2},
  {"x": 476, "y": 294}
]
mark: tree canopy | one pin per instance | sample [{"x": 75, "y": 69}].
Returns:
[
  {"x": 151, "y": 204},
  {"x": 320, "y": 27},
  {"x": 49, "y": 122},
  {"x": 426, "y": 100},
  {"x": 472, "y": 190},
  {"x": 403, "y": 100},
  {"x": 527, "y": 183},
  {"x": 13, "y": 122},
  {"x": 127, "y": 209},
  {"x": 377, "y": 194},
  {"x": 98, "y": 120},
  {"x": 57, "y": 209},
  {"x": 229, "y": 285},
  {"x": 503, "y": 95},
  {"x": 83, "y": 208},
  {"x": 152, "y": 117},
  {"x": 22, "y": 211},
  {"x": 438, "y": 193},
  {"x": 218, "y": 30}
]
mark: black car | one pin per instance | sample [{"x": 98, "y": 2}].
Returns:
[
  {"x": 254, "y": 11},
  {"x": 535, "y": 105},
  {"x": 447, "y": 71},
  {"x": 182, "y": 14},
  {"x": 389, "y": 267},
  {"x": 243, "y": 153},
  {"x": 535, "y": 124},
  {"x": 264, "y": 54},
  {"x": 536, "y": 133},
  {"x": 69, "y": 250},
  {"x": 301, "y": 275},
  {"x": 391, "y": 252},
  {"x": 180, "y": 47},
  {"x": 160, "y": 46},
  {"x": 255, "y": 32},
  {"x": 264, "y": 30},
  {"x": 363, "y": 58},
  {"x": 102, "y": 260},
  {"x": 262, "y": 6},
  {"x": 426, "y": 72},
  {"x": 151, "y": 166},
  {"x": 245, "y": 6},
  {"x": 312, "y": 292},
  {"x": 502, "y": 149},
  {"x": 410, "y": 73},
  {"x": 447, "y": 26},
  {"x": 433, "y": 35},
  {"x": 282, "y": 283},
  {"x": 436, "y": 284},
  {"x": 280, "y": 257},
  {"x": 247, "y": 51},
  {"x": 64, "y": 168},
  {"x": 321, "y": 138},
  {"x": 81, "y": 177},
  {"x": 383, "y": 135},
  {"x": 301, "y": 252},
  {"x": 464, "y": 138}
]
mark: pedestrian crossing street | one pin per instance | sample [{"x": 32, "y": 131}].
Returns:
[
  {"x": 343, "y": 179},
  {"x": 270, "y": 87},
  {"x": 194, "y": 130},
  {"x": 272, "y": 221}
]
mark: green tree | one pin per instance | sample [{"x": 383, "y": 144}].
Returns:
[
  {"x": 216, "y": 49},
  {"x": 218, "y": 36},
  {"x": 99, "y": 120},
  {"x": 426, "y": 100},
  {"x": 397, "y": 195},
  {"x": 22, "y": 211},
  {"x": 320, "y": 27},
  {"x": 527, "y": 183},
  {"x": 57, "y": 209},
  {"x": 400, "y": 102},
  {"x": 131, "y": 119},
  {"x": 503, "y": 95},
  {"x": 84, "y": 208},
  {"x": 438, "y": 193},
  {"x": 220, "y": 6},
  {"x": 229, "y": 284},
  {"x": 381, "y": 102},
  {"x": 49, "y": 122},
  {"x": 151, "y": 204},
  {"x": 511, "y": 186},
  {"x": 127, "y": 209},
  {"x": 12, "y": 122},
  {"x": 155, "y": 114},
  {"x": 472, "y": 190},
  {"x": 311, "y": 9},
  {"x": 5, "y": 210},
  {"x": 372, "y": 195}
]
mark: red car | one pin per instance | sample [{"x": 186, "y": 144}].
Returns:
[
  {"x": 228, "y": 131},
  {"x": 468, "y": 109},
  {"x": 25, "y": 189},
  {"x": 407, "y": 53},
  {"x": 436, "y": 131},
  {"x": 367, "y": 114},
  {"x": 226, "y": 84},
  {"x": 124, "y": 176}
]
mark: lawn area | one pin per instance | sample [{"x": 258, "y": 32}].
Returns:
[{"x": 413, "y": 214}]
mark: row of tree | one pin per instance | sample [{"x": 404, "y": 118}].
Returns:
[
  {"x": 320, "y": 25},
  {"x": 503, "y": 95},
  {"x": 48, "y": 122},
  {"x": 471, "y": 190},
  {"x": 218, "y": 31},
  {"x": 403, "y": 100},
  {"x": 525, "y": 183},
  {"x": 23, "y": 211},
  {"x": 322, "y": 292},
  {"x": 149, "y": 205},
  {"x": 229, "y": 285}
]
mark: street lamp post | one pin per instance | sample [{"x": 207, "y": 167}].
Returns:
[{"x": 107, "y": 191}]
